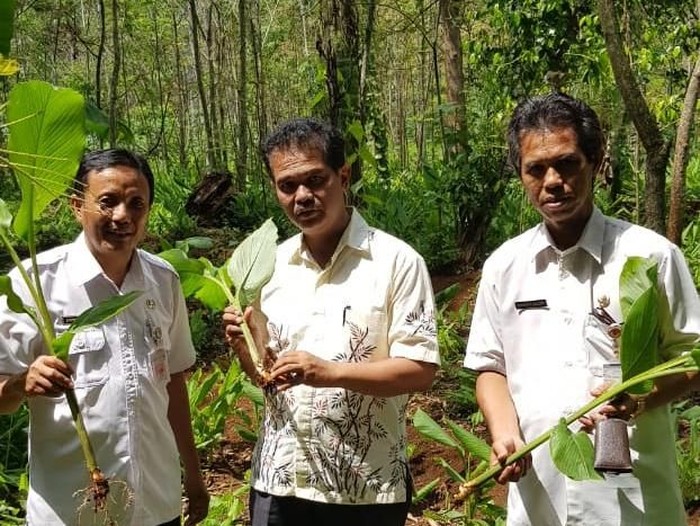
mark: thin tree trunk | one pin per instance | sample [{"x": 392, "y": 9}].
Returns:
[
  {"x": 114, "y": 82},
  {"x": 100, "y": 54},
  {"x": 211, "y": 67},
  {"x": 680, "y": 157},
  {"x": 450, "y": 14},
  {"x": 656, "y": 148},
  {"x": 242, "y": 158},
  {"x": 181, "y": 98},
  {"x": 200, "y": 84}
]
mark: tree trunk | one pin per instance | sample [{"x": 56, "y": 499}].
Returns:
[
  {"x": 114, "y": 82},
  {"x": 182, "y": 112},
  {"x": 200, "y": 84},
  {"x": 242, "y": 157},
  {"x": 680, "y": 157},
  {"x": 450, "y": 15},
  {"x": 656, "y": 148},
  {"x": 100, "y": 54}
]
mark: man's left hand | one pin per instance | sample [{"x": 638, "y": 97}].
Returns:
[
  {"x": 300, "y": 367},
  {"x": 197, "y": 506}
]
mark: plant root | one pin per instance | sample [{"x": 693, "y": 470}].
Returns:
[
  {"x": 98, "y": 496},
  {"x": 465, "y": 491}
]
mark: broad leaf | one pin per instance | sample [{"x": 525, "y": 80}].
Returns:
[
  {"x": 96, "y": 122},
  {"x": 195, "y": 279},
  {"x": 252, "y": 263},
  {"x": 429, "y": 428},
  {"x": 14, "y": 302},
  {"x": 7, "y": 16},
  {"x": 572, "y": 453},
  {"x": 104, "y": 311},
  {"x": 93, "y": 316},
  {"x": 470, "y": 442},
  {"x": 639, "y": 344},
  {"x": 47, "y": 138},
  {"x": 695, "y": 353},
  {"x": 638, "y": 274}
]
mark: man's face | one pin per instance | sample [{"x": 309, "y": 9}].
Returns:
[
  {"x": 558, "y": 179},
  {"x": 113, "y": 213},
  {"x": 310, "y": 192}
]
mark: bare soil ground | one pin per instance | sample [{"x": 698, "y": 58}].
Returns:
[{"x": 226, "y": 466}]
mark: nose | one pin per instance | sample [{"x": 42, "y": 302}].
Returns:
[
  {"x": 120, "y": 213},
  {"x": 552, "y": 178},
  {"x": 303, "y": 194}
]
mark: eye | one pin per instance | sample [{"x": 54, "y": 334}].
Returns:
[
  {"x": 107, "y": 202},
  {"x": 287, "y": 187},
  {"x": 316, "y": 181},
  {"x": 137, "y": 204},
  {"x": 566, "y": 166},
  {"x": 535, "y": 170}
]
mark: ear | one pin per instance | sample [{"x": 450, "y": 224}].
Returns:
[
  {"x": 344, "y": 174},
  {"x": 76, "y": 205}
]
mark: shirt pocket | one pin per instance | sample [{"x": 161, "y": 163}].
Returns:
[{"x": 88, "y": 355}]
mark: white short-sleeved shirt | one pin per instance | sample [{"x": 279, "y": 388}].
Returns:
[
  {"x": 122, "y": 368},
  {"x": 373, "y": 300},
  {"x": 553, "y": 354}
]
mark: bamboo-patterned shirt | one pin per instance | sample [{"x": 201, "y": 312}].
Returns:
[{"x": 372, "y": 301}]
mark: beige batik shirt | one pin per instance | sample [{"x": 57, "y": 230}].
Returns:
[{"x": 373, "y": 301}]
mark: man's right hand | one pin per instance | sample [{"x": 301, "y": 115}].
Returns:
[
  {"x": 47, "y": 376},
  {"x": 501, "y": 449},
  {"x": 232, "y": 320}
]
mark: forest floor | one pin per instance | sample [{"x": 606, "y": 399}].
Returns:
[{"x": 226, "y": 466}]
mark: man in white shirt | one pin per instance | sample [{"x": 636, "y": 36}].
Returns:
[
  {"x": 539, "y": 347},
  {"x": 127, "y": 373},
  {"x": 350, "y": 314}
]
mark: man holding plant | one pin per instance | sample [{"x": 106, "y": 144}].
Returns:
[
  {"x": 546, "y": 327},
  {"x": 127, "y": 373},
  {"x": 349, "y": 319}
]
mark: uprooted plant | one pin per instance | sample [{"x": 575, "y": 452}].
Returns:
[
  {"x": 647, "y": 317},
  {"x": 46, "y": 141},
  {"x": 247, "y": 271}
]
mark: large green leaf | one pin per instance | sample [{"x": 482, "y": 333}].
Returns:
[
  {"x": 14, "y": 302},
  {"x": 252, "y": 263},
  {"x": 47, "y": 138},
  {"x": 196, "y": 279},
  {"x": 639, "y": 344},
  {"x": 93, "y": 316},
  {"x": 429, "y": 428},
  {"x": 572, "y": 453},
  {"x": 7, "y": 16},
  {"x": 470, "y": 442},
  {"x": 696, "y": 355},
  {"x": 638, "y": 274}
]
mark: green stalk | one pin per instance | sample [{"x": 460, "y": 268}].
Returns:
[
  {"x": 88, "y": 452},
  {"x": 669, "y": 367},
  {"x": 247, "y": 335}
]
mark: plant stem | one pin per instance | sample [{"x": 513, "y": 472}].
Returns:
[
  {"x": 680, "y": 364},
  {"x": 88, "y": 452}
]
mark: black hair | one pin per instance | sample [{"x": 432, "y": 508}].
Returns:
[
  {"x": 99, "y": 160},
  {"x": 555, "y": 111},
  {"x": 306, "y": 133}
]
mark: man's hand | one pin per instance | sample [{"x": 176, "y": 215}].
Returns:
[
  {"x": 197, "y": 506},
  {"x": 48, "y": 376},
  {"x": 501, "y": 449},
  {"x": 232, "y": 320},
  {"x": 622, "y": 406},
  {"x": 300, "y": 367}
]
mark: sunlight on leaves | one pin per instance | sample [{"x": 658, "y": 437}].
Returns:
[
  {"x": 428, "y": 427},
  {"x": 14, "y": 302},
  {"x": 47, "y": 138}
]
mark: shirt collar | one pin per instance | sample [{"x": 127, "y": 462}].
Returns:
[
  {"x": 356, "y": 236},
  {"x": 591, "y": 239},
  {"x": 84, "y": 267}
]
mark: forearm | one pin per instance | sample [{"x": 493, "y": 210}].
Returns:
[
  {"x": 181, "y": 424},
  {"x": 494, "y": 399},
  {"x": 11, "y": 392},
  {"x": 384, "y": 378},
  {"x": 669, "y": 388}
]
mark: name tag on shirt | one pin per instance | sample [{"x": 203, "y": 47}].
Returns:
[{"x": 530, "y": 304}]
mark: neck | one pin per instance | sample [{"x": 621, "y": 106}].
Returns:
[
  {"x": 566, "y": 236},
  {"x": 322, "y": 248},
  {"x": 116, "y": 269}
]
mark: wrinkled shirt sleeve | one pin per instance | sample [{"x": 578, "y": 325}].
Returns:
[
  {"x": 684, "y": 331},
  {"x": 484, "y": 348},
  {"x": 20, "y": 342},
  {"x": 412, "y": 329}
]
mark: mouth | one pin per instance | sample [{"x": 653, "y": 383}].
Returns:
[
  {"x": 120, "y": 235},
  {"x": 307, "y": 213}
]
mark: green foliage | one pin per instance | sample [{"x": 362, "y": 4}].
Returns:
[
  {"x": 7, "y": 13},
  {"x": 478, "y": 508},
  {"x": 13, "y": 461},
  {"x": 572, "y": 453},
  {"x": 691, "y": 249},
  {"x": 228, "y": 509},
  {"x": 688, "y": 453},
  {"x": 215, "y": 398},
  {"x": 47, "y": 138}
]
